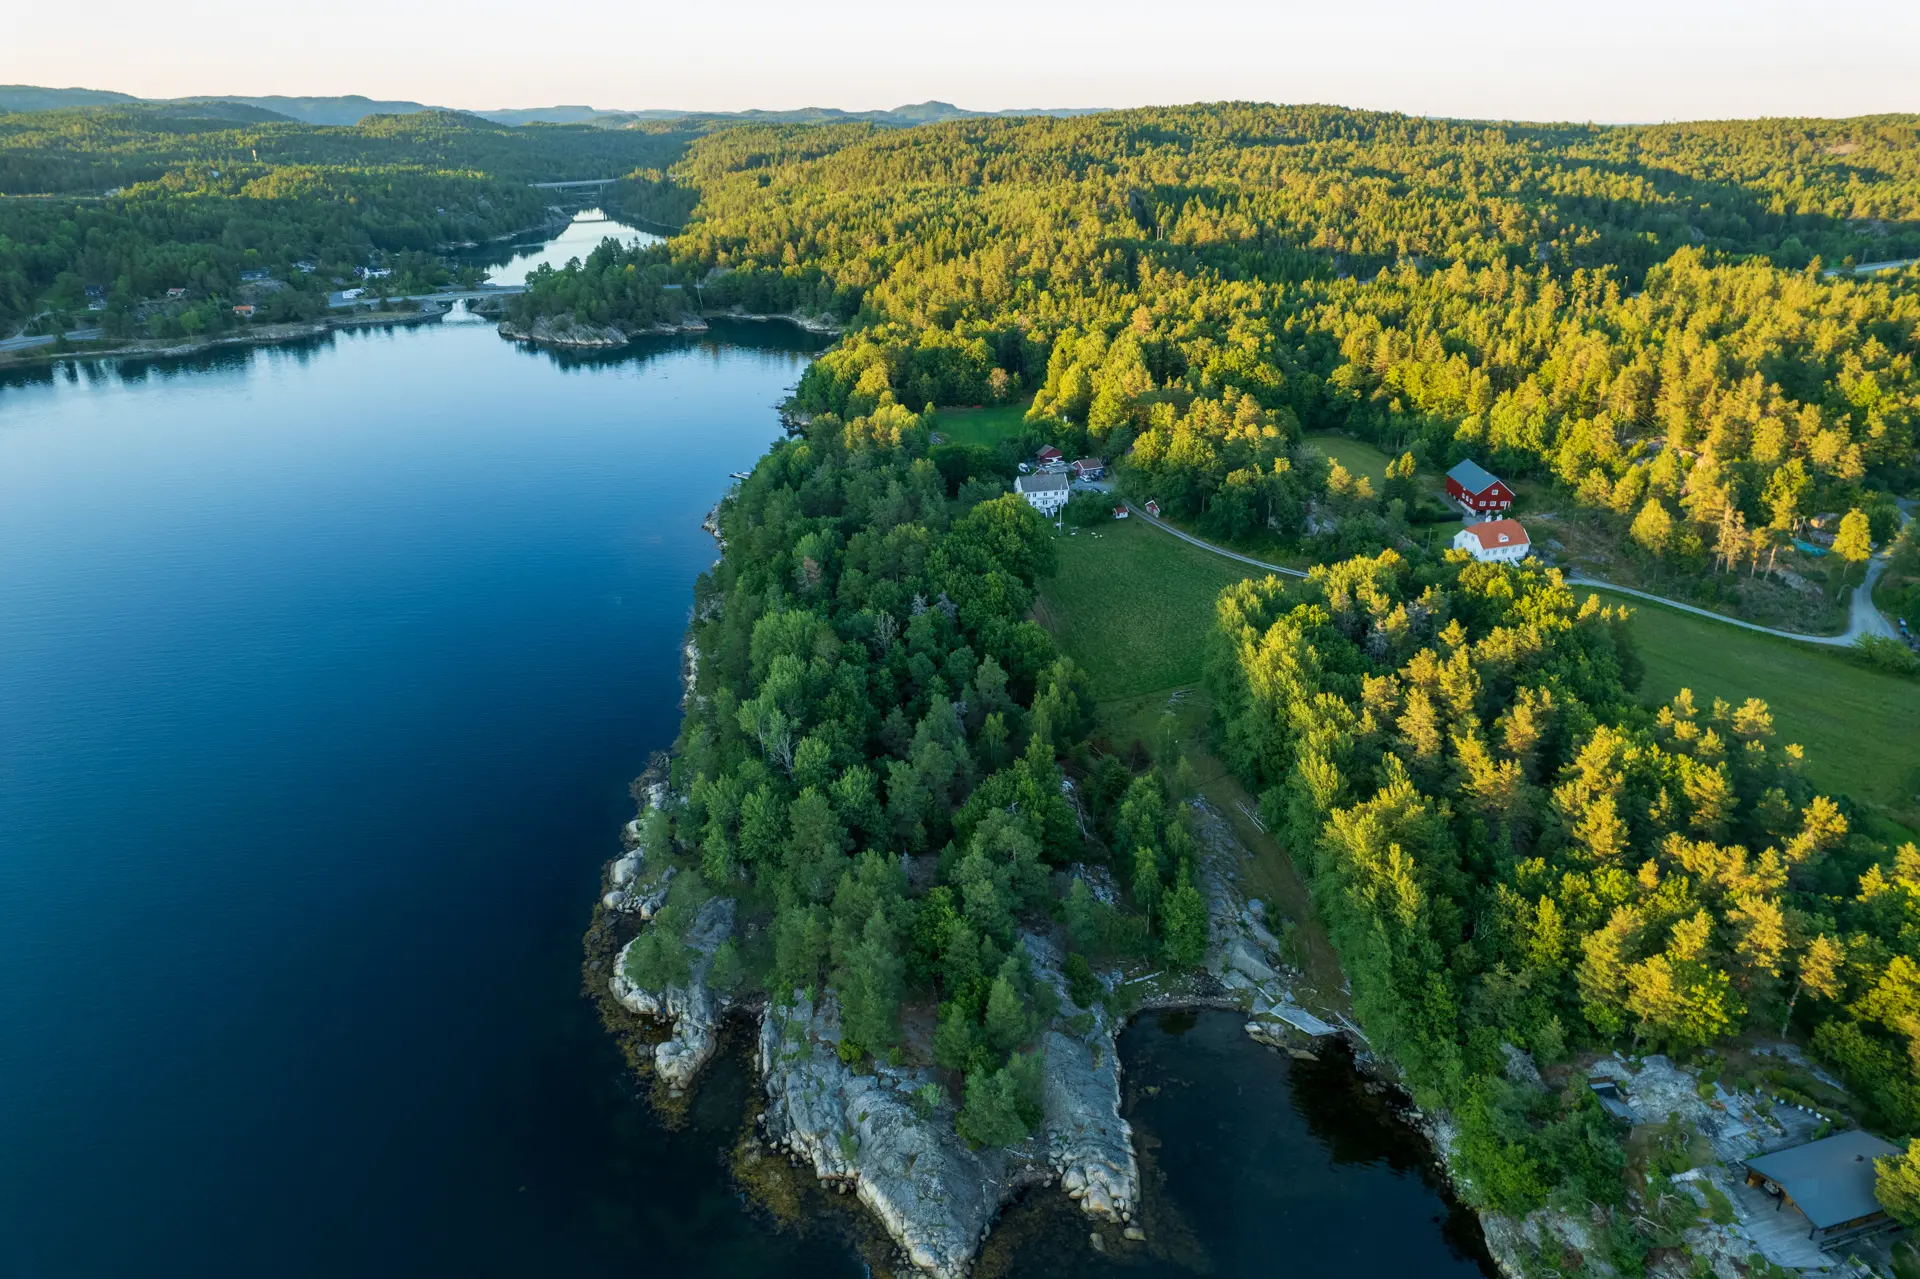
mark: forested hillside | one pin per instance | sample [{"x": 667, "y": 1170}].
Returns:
[
  {"x": 196, "y": 193},
  {"x": 1507, "y": 846},
  {"x": 1509, "y": 849},
  {"x": 1638, "y": 314}
]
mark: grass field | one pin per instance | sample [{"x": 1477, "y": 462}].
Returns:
[
  {"x": 1858, "y": 726},
  {"x": 1357, "y": 456},
  {"x": 987, "y": 426},
  {"x": 1133, "y": 605}
]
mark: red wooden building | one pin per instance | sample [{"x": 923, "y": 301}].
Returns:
[{"x": 1478, "y": 491}]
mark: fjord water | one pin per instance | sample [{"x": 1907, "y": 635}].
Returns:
[
  {"x": 323, "y": 670},
  {"x": 513, "y": 261}
]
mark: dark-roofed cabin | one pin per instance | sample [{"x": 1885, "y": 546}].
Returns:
[
  {"x": 1478, "y": 491},
  {"x": 1830, "y": 1181}
]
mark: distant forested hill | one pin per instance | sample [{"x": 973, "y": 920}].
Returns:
[{"x": 133, "y": 199}]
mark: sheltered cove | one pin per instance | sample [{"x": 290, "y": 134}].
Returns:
[{"x": 864, "y": 1133}]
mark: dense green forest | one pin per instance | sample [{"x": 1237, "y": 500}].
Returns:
[
  {"x": 1507, "y": 847},
  {"x": 1647, "y": 317},
  {"x": 871, "y": 757},
  {"x": 196, "y": 194},
  {"x": 887, "y": 762}
]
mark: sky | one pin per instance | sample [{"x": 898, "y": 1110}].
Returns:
[{"x": 1624, "y": 61}]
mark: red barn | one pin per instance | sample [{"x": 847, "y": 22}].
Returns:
[
  {"x": 1047, "y": 455},
  {"x": 1476, "y": 490}
]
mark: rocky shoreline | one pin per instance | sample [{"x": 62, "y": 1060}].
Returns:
[
  {"x": 877, "y": 1133},
  {"x": 255, "y": 335},
  {"x": 567, "y": 331}
]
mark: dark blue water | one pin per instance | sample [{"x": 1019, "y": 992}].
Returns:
[
  {"x": 322, "y": 675},
  {"x": 323, "y": 671},
  {"x": 1254, "y": 1163}
]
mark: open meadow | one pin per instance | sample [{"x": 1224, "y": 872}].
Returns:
[
  {"x": 1858, "y": 725},
  {"x": 1133, "y": 606},
  {"x": 984, "y": 426}
]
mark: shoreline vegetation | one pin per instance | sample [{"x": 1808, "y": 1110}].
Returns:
[
  {"x": 896, "y": 825},
  {"x": 896, "y": 819}
]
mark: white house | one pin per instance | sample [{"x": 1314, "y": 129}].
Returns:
[
  {"x": 1494, "y": 541},
  {"x": 1044, "y": 493}
]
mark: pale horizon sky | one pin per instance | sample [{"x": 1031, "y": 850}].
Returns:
[{"x": 1638, "y": 60}]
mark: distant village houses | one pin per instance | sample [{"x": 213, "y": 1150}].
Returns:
[
  {"x": 1494, "y": 541},
  {"x": 1479, "y": 492},
  {"x": 1044, "y": 493}
]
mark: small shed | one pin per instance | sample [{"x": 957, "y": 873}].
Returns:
[
  {"x": 244, "y": 310},
  {"x": 1153, "y": 508},
  {"x": 1830, "y": 1181},
  {"x": 1120, "y": 512}
]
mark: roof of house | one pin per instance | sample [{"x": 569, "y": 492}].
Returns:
[
  {"x": 1831, "y": 1180},
  {"x": 1493, "y": 533},
  {"x": 1040, "y": 483},
  {"x": 1048, "y": 451},
  {"x": 1473, "y": 477},
  {"x": 1092, "y": 463}
]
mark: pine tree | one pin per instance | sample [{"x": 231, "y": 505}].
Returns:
[
  {"x": 1653, "y": 528},
  {"x": 1184, "y": 923}
]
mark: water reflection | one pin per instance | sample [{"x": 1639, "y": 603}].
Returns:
[
  {"x": 513, "y": 260},
  {"x": 1253, "y": 1162}
]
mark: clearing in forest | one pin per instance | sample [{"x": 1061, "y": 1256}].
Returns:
[
  {"x": 984, "y": 426},
  {"x": 1134, "y": 606},
  {"x": 1856, "y": 724}
]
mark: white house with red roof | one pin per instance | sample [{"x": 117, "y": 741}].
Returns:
[{"x": 1494, "y": 541}]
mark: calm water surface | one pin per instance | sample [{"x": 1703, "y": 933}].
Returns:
[
  {"x": 511, "y": 262},
  {"x": 323, "y": 670}
]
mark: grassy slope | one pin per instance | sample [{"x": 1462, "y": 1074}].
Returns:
[
  {"x": 1133, "y": 606},
  {"x": 1357, "y": 456},
  {"x": 1858, "y": 725},
  {"x": 986, "y": 426}
]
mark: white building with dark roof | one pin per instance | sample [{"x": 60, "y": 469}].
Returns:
[{"x": 1045, "y": 493}]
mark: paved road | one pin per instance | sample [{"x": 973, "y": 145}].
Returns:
[
  {"x": 1872, "y": 268},
  {"x": 1139, "y": 514},
  {"x": 1864, "y": 618},
  {"x": 28, "y": 342},
  {"x": 1581, "y": 579}
]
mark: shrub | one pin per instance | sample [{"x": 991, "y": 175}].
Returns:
[
  {"x": 1883, "y": 654},
  {"x": 1082, "y": 985}
]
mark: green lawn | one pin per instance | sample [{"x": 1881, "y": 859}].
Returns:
[
  {"x": 1857, "y": 725},
  {"x": 1357, "y": 456},
  {"x": 987, "y": 426},
  {"x": 1133, "y": 606}
]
